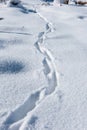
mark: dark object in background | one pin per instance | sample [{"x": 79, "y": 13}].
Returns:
[
  {"x": 15, "y": 2},
  {"x": 1, "y": 18},
  {"x": 66, "y": 2},
  {"x": 48, "y": 0},
  {"x": 80, "y": 3}
]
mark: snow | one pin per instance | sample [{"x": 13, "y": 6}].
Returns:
[{"x": 43, "y": 67}]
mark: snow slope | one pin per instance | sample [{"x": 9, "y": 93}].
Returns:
[{"x": 43, "y": 69}]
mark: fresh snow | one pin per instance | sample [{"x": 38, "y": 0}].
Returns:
[{"x": 43, "y": 66}]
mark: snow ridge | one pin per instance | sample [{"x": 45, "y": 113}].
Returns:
[{"x": 20, "y": 118}]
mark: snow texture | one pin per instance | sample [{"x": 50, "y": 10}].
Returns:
[{"x": 43, "y": 66}]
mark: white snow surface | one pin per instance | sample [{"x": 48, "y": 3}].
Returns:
[{"x": 43, "y": 67}]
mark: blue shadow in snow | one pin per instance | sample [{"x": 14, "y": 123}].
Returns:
[
  {"x": 2, "y": 46},
  {"x": 33, "y": 120},
  {"x": 11, "y": 67}
]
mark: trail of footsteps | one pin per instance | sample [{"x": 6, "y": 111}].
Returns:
[
  {"x": 50, "y": 69},
  {"x": 50, "y": 72},
  {"x": 20, "y": 117}
]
